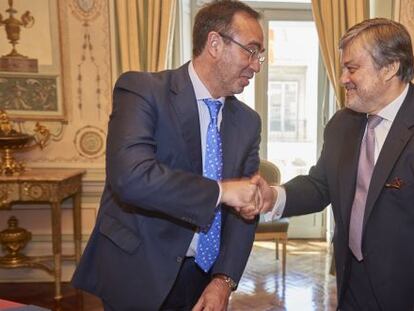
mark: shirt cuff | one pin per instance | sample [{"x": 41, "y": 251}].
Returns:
[
  {"x": 279, "y": 207},
  {"x": 220, "y": 192}
]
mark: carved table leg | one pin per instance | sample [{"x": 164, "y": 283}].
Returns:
[
  {"x": 77, "y": 221},
  {"x": 57, "y": 246}
]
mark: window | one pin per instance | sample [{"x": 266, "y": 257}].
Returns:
[
  {"x": 286, "y": 97},
  {"x": 292, "y": 83},
  {"x": 285, "y": 94}
]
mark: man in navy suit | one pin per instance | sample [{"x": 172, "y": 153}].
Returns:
[
  {"x": 373, "y": 203},
  {"x": 141, "y": 253}
]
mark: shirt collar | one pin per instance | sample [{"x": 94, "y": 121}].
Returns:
[
  {"x": 390, "y": 111},
  {"x": 200, "y": 90}
]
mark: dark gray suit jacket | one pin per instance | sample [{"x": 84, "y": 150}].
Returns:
[
  {"x": 388, "y": 232},
  {"x": 155, "y": 196}
]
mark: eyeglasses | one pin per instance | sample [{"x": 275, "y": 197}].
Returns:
[{"x": 254, "y": 53}]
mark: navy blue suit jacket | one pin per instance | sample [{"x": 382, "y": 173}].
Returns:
[
  {"x": 155, "y": 196},
  {"x": 388, "y": 226}
]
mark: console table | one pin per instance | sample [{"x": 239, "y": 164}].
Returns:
[{"x": 50, "y": 186}]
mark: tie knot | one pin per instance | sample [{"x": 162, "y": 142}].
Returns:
[
  {"x": 373, "y": 121},
  {"x": 213, "y": 107}
]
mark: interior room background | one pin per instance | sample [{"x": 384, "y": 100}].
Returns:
[{"x": 77, "y": 45}]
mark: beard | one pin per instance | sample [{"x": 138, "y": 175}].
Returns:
[
  {"x": 354, "y": 102},
  {"x": 364, "y": 100},
  {"x": 228, "y": 76}
]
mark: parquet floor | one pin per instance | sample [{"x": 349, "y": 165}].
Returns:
[{"x": 307, "y": 286}]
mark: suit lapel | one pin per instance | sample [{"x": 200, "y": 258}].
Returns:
[
  {"x": 348, "y": 165},
  {"x": 185, "y": 105},
  {"x": 229, "y": 137},
  {"x": 400, "y": 133}
]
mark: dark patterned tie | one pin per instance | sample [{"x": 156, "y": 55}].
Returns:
[
  {"x": 209, "y": 238},
  {"x": 365, "y": 168}
]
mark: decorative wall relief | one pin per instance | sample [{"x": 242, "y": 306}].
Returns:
[
  {"x": 90, "y": 142},
  {"x": 87, "y": 82},
  {"x": 87, "y": 11}
]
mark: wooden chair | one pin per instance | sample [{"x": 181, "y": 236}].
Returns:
[{"x": 275, "y": 230}]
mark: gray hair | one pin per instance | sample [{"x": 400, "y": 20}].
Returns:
[{"x": 387, "y": 41}]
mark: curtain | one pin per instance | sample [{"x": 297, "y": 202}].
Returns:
[
  {"x": 333, "y": 18},
  {"x": 145, "y": 33}
]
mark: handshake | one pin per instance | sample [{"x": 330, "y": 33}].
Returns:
[{"x": 248, "y": 197}]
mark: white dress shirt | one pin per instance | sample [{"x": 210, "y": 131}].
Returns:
[
  {"x": 201, "y": 93},
  {"x": 388, "y": 114}
]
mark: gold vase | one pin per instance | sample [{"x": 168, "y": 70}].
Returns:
[{"x": 13, "y": 240}]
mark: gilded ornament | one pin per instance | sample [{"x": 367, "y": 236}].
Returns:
[
  {"x": 13, "y": 240},
  {"x": 12, "y": 141}
]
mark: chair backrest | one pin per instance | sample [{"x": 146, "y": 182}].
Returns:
[{"x": 270, "y": 172}]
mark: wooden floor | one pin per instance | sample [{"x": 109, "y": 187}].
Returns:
[{"x": 307, "y": 285}]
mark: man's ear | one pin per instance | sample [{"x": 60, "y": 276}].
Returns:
[
  {"x": 391, "y": 70},
  {"x": 213, "y": 43}
]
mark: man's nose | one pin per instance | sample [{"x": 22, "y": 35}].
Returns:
[
  {"x": 344, "y": 78},
  {"x": 255, "y": 65}
]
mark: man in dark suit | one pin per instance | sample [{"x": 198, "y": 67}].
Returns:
[
  {"x": 366, "y": 171},
  {"x": 142, "y": 254}
]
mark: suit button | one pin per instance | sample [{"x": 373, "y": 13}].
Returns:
[
  {"x": 187, "y": 219},
  {"x": 179, "y": 259}
]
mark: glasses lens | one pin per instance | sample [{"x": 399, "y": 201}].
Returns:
[
  {"x": 262, "y": 59},
  {"x": 255, "y": 54}
]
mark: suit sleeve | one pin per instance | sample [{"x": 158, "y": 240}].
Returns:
[{"x": 133, "y": 172}]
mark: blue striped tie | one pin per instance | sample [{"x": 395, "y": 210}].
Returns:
[{"x": 209, "y": 239}]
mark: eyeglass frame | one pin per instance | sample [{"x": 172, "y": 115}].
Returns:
[{"x": 253, "y": 52}]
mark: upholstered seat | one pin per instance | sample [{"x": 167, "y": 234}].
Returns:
[{"x": 275, "y": 230}]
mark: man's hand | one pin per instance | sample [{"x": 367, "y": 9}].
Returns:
[
  {"x": 269, "y": 195},
  {"x": 265, "y": 198},
  {"x": 215, "y": 296},
  {"x": 240, "y": 194}
]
